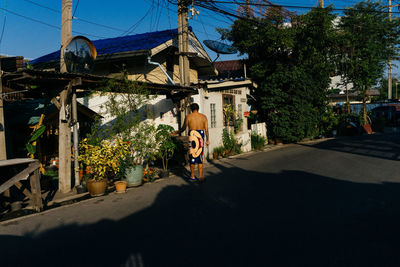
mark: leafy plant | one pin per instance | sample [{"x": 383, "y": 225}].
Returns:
[
  {"x": 257, "y": 141},
  {"x": 229, "y": 114},
  {"x": 238, "y": 123},
  {"x": 143, "y": 143},
  {"x": 230, "y": 143},
  {"x": 149, "y": 175},
  {"x": 218, "y": 152},
  {"x": 31, "y": 144},
  {"x": 103, "y": 159},
  {"x": 167, "y": 145}
]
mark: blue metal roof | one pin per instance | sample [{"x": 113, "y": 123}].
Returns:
[{"x": 144, "y": 41}]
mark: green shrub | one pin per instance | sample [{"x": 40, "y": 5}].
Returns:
[
  {"x": 230, "y": 143},
  {"x": 257, "y": 141},
  {"x": 218, "y": 152}
]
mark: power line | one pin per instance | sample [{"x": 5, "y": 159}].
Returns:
[
  {"x": 76, "y": 7},
  {"x": 84, "y": 20},
  {"x": 213, "y": 7},
  {"x": 47, "y": 24},
  {"x": 4, "y": 22}
]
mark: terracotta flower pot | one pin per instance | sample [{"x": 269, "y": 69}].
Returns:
[
  {"x": 96, "y": 188},
  {"x": 120, "y": 186}
]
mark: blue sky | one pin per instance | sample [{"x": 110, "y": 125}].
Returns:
[{"x": 31, "y": 27}]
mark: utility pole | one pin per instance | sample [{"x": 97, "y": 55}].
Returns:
[
  {"x": 3, "y": 144},
  {"x": 183, "y": 40},
  {"x": 64, "y": 137},
  {"x": 183, "y": 47},
  {"x": 390, "y": 59}
]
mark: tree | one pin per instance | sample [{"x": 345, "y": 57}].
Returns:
[
  {"x": 289, "y": 59},
  {"x": 370, "y": 38}
]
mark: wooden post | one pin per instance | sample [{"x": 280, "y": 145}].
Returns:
[
  {"x": 76, "y": 138},
  {"x": 3, "y": 144},
  {"x": 64, "y": 138},
  {"x": 36, "y": 190}
]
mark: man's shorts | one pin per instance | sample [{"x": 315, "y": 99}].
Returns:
[{"x": 196, "y": 151}]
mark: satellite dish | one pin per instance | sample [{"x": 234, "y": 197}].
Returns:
[
  {"x": 220, "y": 48},
  {"x": 79, "y": 55}
]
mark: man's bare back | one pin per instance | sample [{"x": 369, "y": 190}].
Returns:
[{"x": 196, "y": 121}]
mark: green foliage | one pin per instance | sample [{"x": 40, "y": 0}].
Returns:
[
  {"x": 257, "y": 141},
  {"x": 230, "y": 143},
  {"x": 329, "y": 122},
  {"x": 31, "y": 144},
  {"x": 368, "y": 38},
  {"x": 291, "y": 66},
  {"x": 36, "y": 134},
  {"x": 218, "y": 152},
  {"x": 167, "y": 145},
  {"x": 126, "y": 104}
]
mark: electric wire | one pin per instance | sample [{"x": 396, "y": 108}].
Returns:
[
  {"x": 45, "y": 23},
  {"x": 4, "y": 22},
  {"x": 76, "y": 7},
  {"x": 81, "y": 19}
]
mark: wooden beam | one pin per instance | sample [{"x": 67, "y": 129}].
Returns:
[
  {"x": 56, "y": 103},
  {"x": 10, "y": 162},
  {"x": 36, "y": 190},
  {"x": 23, "y": 175},
  {"x": 25, "y": 191}
]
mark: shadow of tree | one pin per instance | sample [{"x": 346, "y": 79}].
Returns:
[
  {"x": 385, "y": 146},
  {"x": 238, "y": 218}
]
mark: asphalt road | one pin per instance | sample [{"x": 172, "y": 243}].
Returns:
[{"x": 335, "y": 203}]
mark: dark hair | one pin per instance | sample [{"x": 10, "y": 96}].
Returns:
[{"x": 194, "y": 107}]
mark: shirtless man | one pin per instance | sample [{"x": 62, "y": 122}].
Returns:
[{"x": 198, "y": 125}]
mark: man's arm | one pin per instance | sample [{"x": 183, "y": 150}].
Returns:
[{"x": 206, "y": 130}]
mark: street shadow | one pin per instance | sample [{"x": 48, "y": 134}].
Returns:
[
  {"x": 385, "y": 146},
  {"x": 237, "y": 218}
]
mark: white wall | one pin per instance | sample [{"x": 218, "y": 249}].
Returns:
[
  {"x": 206, "y": 98},
  {"x": 160, "y": 109}
]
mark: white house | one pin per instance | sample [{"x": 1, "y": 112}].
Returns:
[{"x": 231, "y": 87}]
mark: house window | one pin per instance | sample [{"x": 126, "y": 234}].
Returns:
[
  {"x": 228, "y": 100},
  {"x": 213, "y": 116}
]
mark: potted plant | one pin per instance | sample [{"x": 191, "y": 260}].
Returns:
[
  {"x": 102, "y": 159},
  {"x": 142, "y": 148},
  {"x": 167, "y": 147}
]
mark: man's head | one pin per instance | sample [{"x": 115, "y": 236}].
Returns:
[{"x": 194, "y": 107}]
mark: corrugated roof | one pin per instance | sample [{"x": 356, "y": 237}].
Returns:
[{"x": 144, "y": 41}]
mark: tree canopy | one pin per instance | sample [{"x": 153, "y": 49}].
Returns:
[
  {"x": 368, "y": 38},
  {"x": 289, "y": 60}
]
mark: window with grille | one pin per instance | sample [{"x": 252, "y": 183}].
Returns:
[{"x": 213, "y": 116}]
